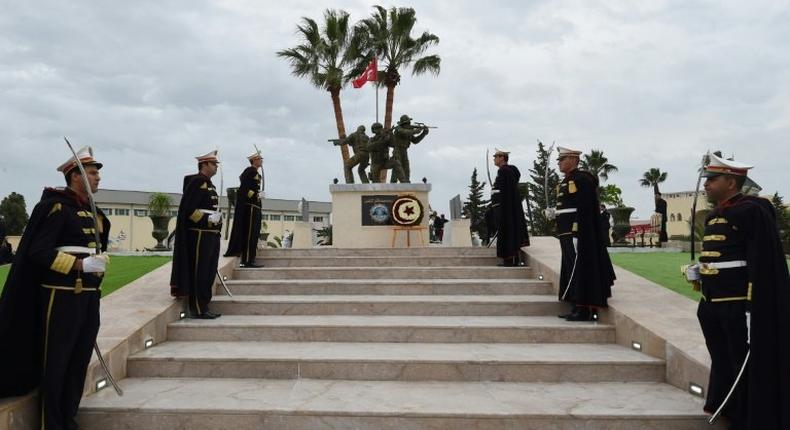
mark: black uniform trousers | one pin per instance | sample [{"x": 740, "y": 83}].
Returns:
[
  {"x": 569, "y": 279},
  {"x": 71, "y": 323},
  {"x": 204, "y": 247},
  {"x": 724, "y": 327},
  {"x": 253, "y": 229}
]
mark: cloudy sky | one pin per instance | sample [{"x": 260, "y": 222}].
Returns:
[{"x": 150, "y": 84}]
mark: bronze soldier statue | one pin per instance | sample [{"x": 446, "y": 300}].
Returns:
[
  {"x": 358, "y": 141},
  {"x": 380, "y": 159},
  {"x": 403, "y": 135}
]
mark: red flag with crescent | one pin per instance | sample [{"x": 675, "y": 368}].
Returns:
[{"x": 370, "y": 74}]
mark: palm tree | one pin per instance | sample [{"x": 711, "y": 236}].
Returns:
[
  {"x": 321, "y": 59},
  {"x": 387, "y": 36},
  {"x": 652, "y": 178},
  {"x": 597, "y": 164}
]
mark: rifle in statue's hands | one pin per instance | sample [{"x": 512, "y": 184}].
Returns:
[
  {"x": 336, "y": 142},
  {"x": 423, "y": 125}
]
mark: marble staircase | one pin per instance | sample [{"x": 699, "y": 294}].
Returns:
[{"x": 421, "y": 338}]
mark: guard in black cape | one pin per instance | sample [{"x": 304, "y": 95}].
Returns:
[
  {"x": 247, "y": 214},
  {"x": 507, "y": 214},
  {"x": 661, "y": 208},
  {"x": 196, "y": 248},
  {"x": 49, "y": 308},
  {"x": 745, "y": 294},
  {"x": 586, "y": 275}
]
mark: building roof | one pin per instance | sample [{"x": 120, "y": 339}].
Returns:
[{"x": 140, "y": 198}]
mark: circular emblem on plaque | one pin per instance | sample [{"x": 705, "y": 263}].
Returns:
[
  {"x": 379, "y": 213},
  {"x": 407, "y": 210}
]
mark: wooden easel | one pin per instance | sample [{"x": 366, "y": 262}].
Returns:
[{"x": 408, "y": 231}]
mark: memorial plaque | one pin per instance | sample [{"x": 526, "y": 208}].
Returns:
[{"x": 377, "y": 210}]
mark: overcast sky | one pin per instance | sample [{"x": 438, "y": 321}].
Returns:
[{"x": 151, "y": 84}]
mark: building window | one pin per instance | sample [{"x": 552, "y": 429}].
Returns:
[
  {"x": 140, "y": 212},
  {"x": 122, "y": 212},
  {"x": 680, "y": 217},
  {"x": 318, "y": 219},
  {"x": 672, "y": 217},
  {"x": 265, "y": 217},
  {"x": 275, "y": 217},
  {"x": 289, "y": 218},
  {"x": 299, "y": 218}
]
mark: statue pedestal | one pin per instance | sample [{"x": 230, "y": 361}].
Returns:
[
  {"x": 348, "y": 230},
  {"x": 457, "y": 233},
  {"x": 303, "y": 235}
]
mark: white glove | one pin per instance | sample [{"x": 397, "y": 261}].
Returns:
[
  {"x": 549, "y": 213},
  {"x": 95, "y": 263},
  {"x": 692, "y": 273},
  {"x": 748, "y": 327},
  {"x": 215, "y": 218}
]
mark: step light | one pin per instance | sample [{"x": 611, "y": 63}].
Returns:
[
  {"x": 224, "y": 278},
  {"x": 149, "y": 342},
  {"x": 696, "y": 390},
  {"x": 540, "y": 277},
  {"x": 101, "y": 384},
  {"x": 636, "y": 345},
  {"x": 182, "y": 315}
]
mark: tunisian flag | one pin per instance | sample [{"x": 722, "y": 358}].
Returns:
[{"x": 368, "y": 75}]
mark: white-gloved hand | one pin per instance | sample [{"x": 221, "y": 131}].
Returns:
[
  {"x": 549, "y": 213},
  {"x": 95, "y": 263},
  {"x": 215, "y": 218},
  {"x": 692, "y": 273},
  {"x": 748, "y": 327}
]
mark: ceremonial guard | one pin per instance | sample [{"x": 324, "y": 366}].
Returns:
[
  {"x": 49, "y": 309},
  {"x": 379, "y": 148},
  {"x": 506, "y": 212},
  {"x": 403, "y": 136},
  {"x": 247, "y": 214},
  {"x": 743, "y": 311},
  {"x": 586, "y": 275},
  {"x": 196, "y": 248}
]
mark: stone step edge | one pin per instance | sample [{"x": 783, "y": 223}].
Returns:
[
  {"x": 437, "y": 299},
  {"x": 439, "y": 281}
]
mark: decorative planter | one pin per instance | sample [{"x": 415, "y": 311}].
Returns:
[
  {"x": 621, "y": 218},
  {"x": 160, "y": 231}
]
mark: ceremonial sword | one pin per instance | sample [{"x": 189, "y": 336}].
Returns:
[
  {"x": 718, "y": 412},
  {"x": 219, "y": 199},
  {"x": 490, "y": 184},
  {"x": 705, "y": 161},
  {"x": 95, "y": 214}
]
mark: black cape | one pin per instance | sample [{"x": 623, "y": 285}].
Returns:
[
  {"x": 661, "y": 207},
  {"x": 511, "y": 225},
  {"x": 180, "y": 275},
  {"x": 20, "y": 309},
  {"x": 593, "y": 266},
  {"x": 769, "y": 368},
  {"x": 242, "y": 214}
]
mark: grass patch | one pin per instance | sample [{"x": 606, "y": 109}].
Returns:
[
  {"x": 663, "y": 268},
  {"x": 122, "y": 270}
]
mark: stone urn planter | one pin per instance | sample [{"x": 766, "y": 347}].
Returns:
[
  {"x": 159, "y": 212},
  {"x": 160, "y": 231},
  {"x": 621, "y": 217}
]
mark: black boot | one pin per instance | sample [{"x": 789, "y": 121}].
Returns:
[
  {"x": 581, "y": 313},
  {"x": 570, "y": 312}
]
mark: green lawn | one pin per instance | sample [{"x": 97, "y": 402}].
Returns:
[
  {"x": 663, "y": 268},
  {"x": 121, "y": 271}
]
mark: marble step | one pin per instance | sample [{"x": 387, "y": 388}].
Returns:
[
  {"x": 362, "y": 328},
  {"x": 397, "y": 362},
  {"x": 385, "y": 272},
  {"x": 302, "y": 404},
  {"x": 390, "y": 286},
  {"x": 378, "y": 261},
  {"x": 510, "y": 305},
  {"x": 432, "y": 251}
]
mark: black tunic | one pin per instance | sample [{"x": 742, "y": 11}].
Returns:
[
  {"x": 508, "y": 213},
  {"x": 59, "y": 219},
  {"x": 246, "y": 217},
  {"x": 661, "y": 208},
  {"x": 586, "y": 271},
  {"x": 744, "y": 229},
  {"x": 196, "y": 247}
]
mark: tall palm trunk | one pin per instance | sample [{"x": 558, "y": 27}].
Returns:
[
  {"x": 388, "y": 104},
  {"x": 341, "y": 128}
]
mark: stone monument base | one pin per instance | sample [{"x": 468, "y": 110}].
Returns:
[{"x": 347, "y": 228}]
